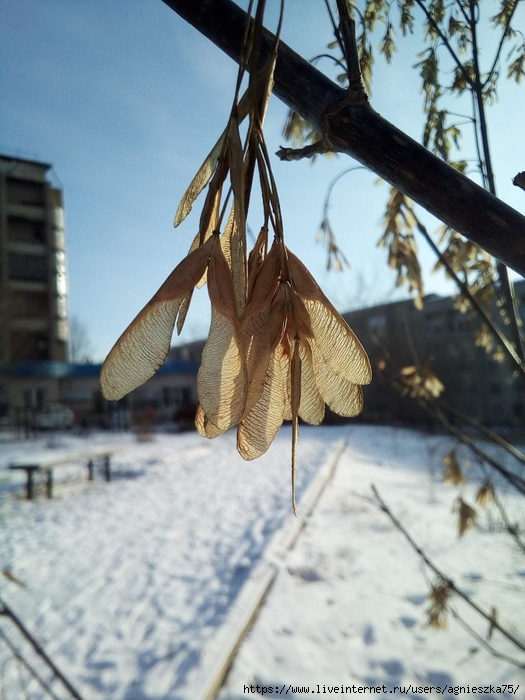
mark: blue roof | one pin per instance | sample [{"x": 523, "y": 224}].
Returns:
[{"x": 62, "y": 370}]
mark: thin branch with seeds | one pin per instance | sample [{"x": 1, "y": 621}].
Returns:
[{"x": 450, "y": 583}]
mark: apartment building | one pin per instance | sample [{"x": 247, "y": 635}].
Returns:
[
  {"x": 33, "y": 278},
  {"x": 475, "y": 383}
]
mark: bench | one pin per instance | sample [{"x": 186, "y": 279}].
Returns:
[{"x": 100, "y": 459}]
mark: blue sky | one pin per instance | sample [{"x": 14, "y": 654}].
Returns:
[{"x": 125, "y": 99}]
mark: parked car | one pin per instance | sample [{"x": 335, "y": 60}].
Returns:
[{"x": 54, "y": 416}]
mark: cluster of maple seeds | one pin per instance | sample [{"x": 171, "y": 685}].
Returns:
[
  {"x": 289, "y": 354},
  {"x": 277, "y": 349}
]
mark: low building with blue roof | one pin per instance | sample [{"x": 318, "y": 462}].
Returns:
[{"x": 29, "y": 386}]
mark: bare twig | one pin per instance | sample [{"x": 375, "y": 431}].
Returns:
[
  {"x": 347, "y": 41},
  {"x": 487, "y": 432},
  {"x": 516, "y": 481},
  {"x": 519, "y": 180},
  {"x": 309, "y": 151},
  {"x": 484, "y": 642},
  {"x": 434, "y": 410},
  {"x": 501, "y": 42},
  {"x": 451, "y": 585},
  {"x": 507, "y": 346},
  {"x": 446, "y": 43}
]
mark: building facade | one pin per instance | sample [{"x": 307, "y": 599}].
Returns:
[
  {"x": 33, "y": 278},
  {"x": 34, "y": 372},
  {"x": 172, "y": 390},
  {"x": 475, "y": 383}
]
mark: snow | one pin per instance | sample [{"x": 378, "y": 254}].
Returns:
[{"x": 130, "y": 584}]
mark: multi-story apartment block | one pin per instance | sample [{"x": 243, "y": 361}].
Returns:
[
  {"x": 475, "y": 383},
  {"x": 33, "y": 281}
]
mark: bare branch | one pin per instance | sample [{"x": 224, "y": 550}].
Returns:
[
  {"x": 491, "y": 435},
  {"x": 507, "y": 347},
  {"x": 362, "y": 133},
  {"x": 489, "y": 647},
  {"x": 489, "y": 618},
  {"x": 446, "y": 43},
  {"x": 501, "y": 42}
]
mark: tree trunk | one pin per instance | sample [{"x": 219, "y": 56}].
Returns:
[{"x": 363, "y": 134}]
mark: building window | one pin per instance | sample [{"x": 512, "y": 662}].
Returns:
[
  {"x": 29, "y": 304},
  {"x": 29, "y": 268},
  {"x": 27, "y": 345},
  {"x": 25, "y": 192},
  {"x": 434, "y": 323},
  {"x": 34, "y": 399},
  {"x": 25, "y": 230}
]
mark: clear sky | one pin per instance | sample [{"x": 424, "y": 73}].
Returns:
[{"x": 125, "y": 100}]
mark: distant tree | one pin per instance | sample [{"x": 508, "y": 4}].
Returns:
[{"x": 80, "y": 347}]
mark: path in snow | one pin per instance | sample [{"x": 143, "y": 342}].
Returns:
[
  {"x": 127, "y": 581},
  {"x": 349, "y": 604}
]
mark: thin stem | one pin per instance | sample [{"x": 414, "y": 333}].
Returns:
[
  {"x": 452, "y": 586},
  {"x": 434, "y": 410},
  {"x": 333, "y": 22},
  {"x": 506, "y": 283},
  {"x": 349, "y": 44},
  {"x": 446, "y": 43},
  {"x": 334, "y": 181},
  {"x": 507, "y": 347},
  {"x": 509, "y": 527},
  {"x": 500, "y": 46},
  {"x": 463, "y": 12},
  {"x": 333, "y": 58},
  {"x": 484, "y": 642},
  {"x": 510, "y": 477},
  {"x": 484, "y": 430},
  {"x": 481, "y": 162}
]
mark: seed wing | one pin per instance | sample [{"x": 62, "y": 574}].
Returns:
[
  {"x": 142, "y": 348},
  {"x": 221, "y": 381},
  {"x": 204, "y": 426},
  {"x": 340, "y": 347},
  {"x": 342, "y": 396},
  {"x": 199, "y": 182},
  {"x": 257, "y": 430},
  {"x": 311, "y": 408}
]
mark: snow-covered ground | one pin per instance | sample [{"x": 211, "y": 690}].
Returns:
[{"x": 128, "y": 583}]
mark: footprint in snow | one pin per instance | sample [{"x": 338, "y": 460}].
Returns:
[
  {"x": 416, "y": 599},
  {"x": 473, "y": 577},
  {"x": 408, "y": 622},
  {"x": 369, "y": 637},
  {"x": 306, "y": 573}
]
